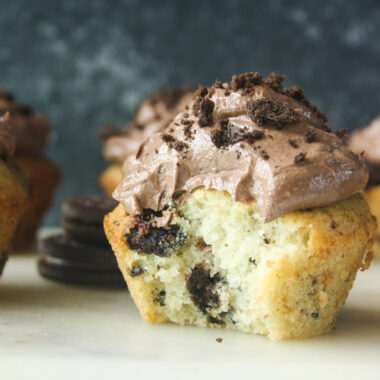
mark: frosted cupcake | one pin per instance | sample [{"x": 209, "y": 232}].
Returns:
[
  {"x": 31, "y": 131},
  {"x": 245, "y": 213},
  {"x": 367, "y": 141},
  {"x": 13, "y": 191}
]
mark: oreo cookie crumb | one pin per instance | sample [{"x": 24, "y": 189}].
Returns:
[
  {"x": 202, "y": 288},
  {"x": 293, "y": 143},
  {"x": 310, "y": 136},
  {"x": 245, "y": 81},
  {"x": 295, "y": 93},
  {"x": 266, "y": 111},
  {"x": 219, "y": 340},
  {"x": 342, "y": 132},
  {"x": 218, "y": 84},
  {"x": 216, "y": 321},
  {"x": 264, "y": 154},
  {"x": 136, "y": 271},
  {"x": 300, "y": 158},
  {"x": 274, "y": 81},
  {"x": 161, "y": 298},
  {"x": 228, "y": 134},
  {"x": 144, "y": 237}
]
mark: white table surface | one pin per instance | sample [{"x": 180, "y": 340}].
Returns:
[{"x": 54, "y": 331}]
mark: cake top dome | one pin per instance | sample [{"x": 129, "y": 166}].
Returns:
[
  {"x": 30, "y": 129},
  {"x": 152, "y": 115},
  {"x": 252, "y": 138}
]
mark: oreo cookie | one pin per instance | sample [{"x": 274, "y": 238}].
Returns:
[
  {"x": 88, "y": 209},
  {"x": 81, "y": 254},
  {"x": 64, "y": 271},
  {"x": 83, "y": 218}
]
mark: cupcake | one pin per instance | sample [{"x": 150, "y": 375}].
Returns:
[
  {"x": 14, "y": 197},
  {"x": 245, "y": 213},
  {"x": 153, "y": 114},
  {"x": 31, "y": 132},
  {"x": 367, "y": 140}
]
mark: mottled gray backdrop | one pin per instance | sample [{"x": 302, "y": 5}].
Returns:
[{"x": 84, "y": 63}]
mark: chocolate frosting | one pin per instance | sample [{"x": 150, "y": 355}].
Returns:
[
  {"x": 152, "y": 116},
  {"x": 7, "y": 139},
  {"x": 30, "y": 129},
  {"x": 251, "y": 138}
]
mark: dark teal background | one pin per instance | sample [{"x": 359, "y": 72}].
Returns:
[{"x": 87, "y": 62}]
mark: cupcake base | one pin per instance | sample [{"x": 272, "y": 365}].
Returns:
[
  {"x": 43, "y": 177},
  {"x": 110, "y": 178},
  {"x": 212, "y": 262}
]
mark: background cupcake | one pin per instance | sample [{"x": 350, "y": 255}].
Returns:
[
  {"x": 14, "y": 198},
  {"x": 367, "y": 141},
  {"x": 152, "y": 115},
  {"x": 31, "y": 131}
]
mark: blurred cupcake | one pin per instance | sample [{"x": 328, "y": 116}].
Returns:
[
  {"x": 13, "y": 192},
  {"x": 31, "y": 131},
  {"x": 152, "y": 115},
  {"x": 367, "y": 140}
]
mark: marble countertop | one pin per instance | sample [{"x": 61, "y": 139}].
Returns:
[{"x": 54, "y": 331}]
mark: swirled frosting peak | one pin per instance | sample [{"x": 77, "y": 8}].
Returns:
[
  {"x": 251, "y": 138},
  {"x": 152, "y": 115}
]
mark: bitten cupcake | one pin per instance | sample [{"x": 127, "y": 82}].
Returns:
[
  {"x": 153, "y": 114},
  {"x": 31, "y": 131},
  {"x": 367, "y": 141},
  {"x": 14, "y": 197},
  {"x": 245, "y": 213}
]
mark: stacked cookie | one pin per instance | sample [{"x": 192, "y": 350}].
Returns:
[{"x": 81, "y": 253}]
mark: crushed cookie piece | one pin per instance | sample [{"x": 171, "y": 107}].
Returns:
[
  {"x": 168, "y": 138},
  {"x": 228, "y": 134},
  {"x": 310, "y": 136},
  {"x": 219, "y": 340},
  {"x": 264, "y": 154},
  {"x": 245, "y": 81},
  {"x": 274, "y": 81},
  {"x": 300, "y": 158},
  {"x": 295, "y": 93},
  {"x": 187, "y": 122},
  {"x": 266, "y": 111},
  {"x": 202, "y": 288},
  {"x": 293, "y": 143},
  {"x": 218, "y": 84},
  {"x": 160, "y": 298},
  {"x": 136, "y": 271},
  {"x": 216, "y": 321},
  {"x": 179, "y": 146},
  {"x": 342, "y": 132},
  {"x": 143, "y": 236}
]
